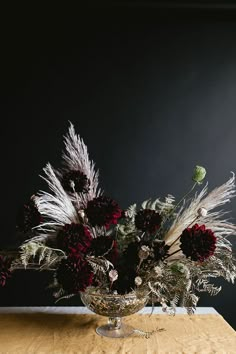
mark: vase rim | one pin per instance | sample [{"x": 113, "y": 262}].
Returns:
[{"x": 133, "y": 294}]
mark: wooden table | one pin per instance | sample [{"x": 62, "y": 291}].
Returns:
[{"x": 65, "y": 330}]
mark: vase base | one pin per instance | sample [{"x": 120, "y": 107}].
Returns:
[{"x": 108, "y": 331}]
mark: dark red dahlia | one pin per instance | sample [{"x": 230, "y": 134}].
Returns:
[
  {"x": 75, "y": 181},
  {"x": 125, "y": 281},
  {"x": 198, "y": 243},
  {"x": 103, "y": 211},
  {"x": 131, "y": 254},
  {"x": 74, "y": 274},
  {"x": 104, "y": 246},
  {"x": 148, "y": 220},
  {"x": 160, "y": 250},
  {"x": 28, "y": 217},
  {"x": 74, "y": 238},
  {"x": 5, "y": 272}
]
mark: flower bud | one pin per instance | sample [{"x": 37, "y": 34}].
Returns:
[
  {"x": 81, "y": 213},
  {"x": 202, "y": 212},
  {"x": 181, "y": 268},
  {"x": 144, "y": 252},
  {"x": 199, "y": 174},
  {"x": 138, "y": 281},
  {"x": 113, "y": 275}
]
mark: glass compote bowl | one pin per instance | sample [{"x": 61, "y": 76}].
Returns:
[{"x": 114, "y": 307}]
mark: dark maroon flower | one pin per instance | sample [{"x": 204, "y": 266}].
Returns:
[
  {"x": 104, "y": 246},
  {"x": 131, "y": 254},
  {"x": 28, "y": 217},
  {"x": 148, "y": 220},
  {"x": 103, "y": 211},
  {"x": 198, "y": 243},
  {"x": 74, "y": 238},
  {"x": 74, "y": 274},
  {"x": 5, "y": 272},
  {"x": 125, "y": 281},
  {"x": 75, "y": 181},
  {"x": 160, "y": 250}
]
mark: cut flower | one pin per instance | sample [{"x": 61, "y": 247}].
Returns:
[
  {"x": 148, "y": 220},
  {"x": 103, "y": 211},
  {"x": 198, "y": 243}
]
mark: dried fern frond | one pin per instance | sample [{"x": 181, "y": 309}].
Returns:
[
  {"x": 75, "y": 157},
  {"x": 59, "y": 297},
  {"x": 47, "y": 257},
  {"x": 56, "y": 207},
  {"x": 164, "y": 207},
  {"x": 99, "y": 264},
  {"x": 218, "y": 197},
  {"x": 131, "y": 211}
]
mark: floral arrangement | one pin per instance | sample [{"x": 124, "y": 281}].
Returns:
[{"x": 170, "y": 249}]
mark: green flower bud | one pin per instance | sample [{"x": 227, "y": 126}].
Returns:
[
  {"x": 177, "y": 267},
  {"x": 199, "y": 174},
  {"x": 180, "y": 268}
]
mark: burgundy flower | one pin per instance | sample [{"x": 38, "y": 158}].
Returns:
[
  {"x": 5, "y": 272},
  {"x": 75, "y": 181},
  {"x": 148, "y": 220},
  {"x": 74, "y": 238},
  {"x": 74, "y": 274},
  {"x": 103, "y": 211},
  {"x": 28, "y": 217},
  {"x": 198, "y": 243},
  {"x": 131, "y": 254},
  {"x": 160, "y": 250},
  {"x": 126, "y": 280},
  {"x": 104, "y": 245}
]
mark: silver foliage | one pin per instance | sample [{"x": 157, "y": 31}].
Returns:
[
  {"x": 162, "y": 207},
  {"x": 99, "y": 264},
  {"x": 76, "y": 157},
  {"x": 214, "y": 220},
  {"x": 47, "y": 257},
  {"x": 57, "y": 207}
]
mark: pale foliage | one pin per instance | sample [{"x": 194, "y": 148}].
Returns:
[
  {"x": 57, "y": 207},
  {"x": 76, "y": 157},
  {"x": 162, "y": 207},
  {"x": 188, "y": 214},
  {"x": 47, "y": 257},
  {"x": 99, "y": 264}
]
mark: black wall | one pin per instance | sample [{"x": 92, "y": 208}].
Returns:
[{"x": 152, "y": 90}]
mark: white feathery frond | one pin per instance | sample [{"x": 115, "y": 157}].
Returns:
[
  {"x": 218, "y": 197},
  {"x": 75, "y": 157},
  {"x": 57, "y": 206},
  {"x": 162, "y": 206}
]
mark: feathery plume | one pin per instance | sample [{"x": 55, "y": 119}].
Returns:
[
  {"x": 76, "y": 158},
  {"x": 187, "y": 215},
  {"x": 57, "y": 206}
]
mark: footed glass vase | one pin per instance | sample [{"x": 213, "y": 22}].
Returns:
[{"x": 114, "y": 307}]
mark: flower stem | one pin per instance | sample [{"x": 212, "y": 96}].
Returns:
[
  {"x": 174, "y": 208},
  {"x": 185, "y": 195},
  {"x": 173, "y": 253},
  {"x": 180, "y": 235}
]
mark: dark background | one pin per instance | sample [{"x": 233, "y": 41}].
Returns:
[{"x": 151, "y": 88}]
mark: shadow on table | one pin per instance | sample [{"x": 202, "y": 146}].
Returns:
[{"x": 51, "y": 322}]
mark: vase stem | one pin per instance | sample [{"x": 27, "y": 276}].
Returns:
[{"x": 114, "y": 323}]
